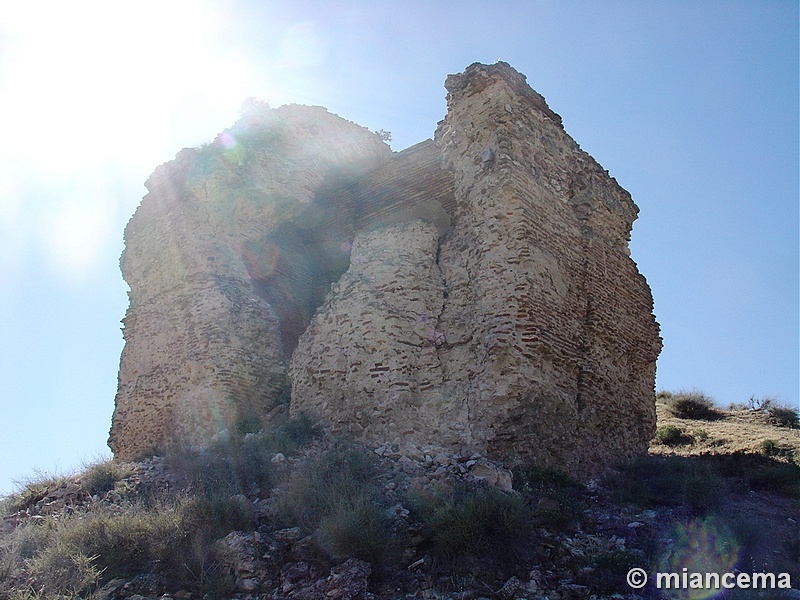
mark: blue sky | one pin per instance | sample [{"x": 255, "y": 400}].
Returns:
[{"x": 692, "y": 106}]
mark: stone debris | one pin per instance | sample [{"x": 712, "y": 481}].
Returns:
[
  {"x": 279, "y": 563},
  {"x": 239, "y": 553}
]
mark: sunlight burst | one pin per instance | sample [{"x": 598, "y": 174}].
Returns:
[{"x": 98, "y": 81}]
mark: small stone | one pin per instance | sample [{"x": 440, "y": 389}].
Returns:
[
  {"x": 250, "y": 584},
  {"x": 288, "y": 535},
  {"x": 278, "y": 458},
  {"x": 495, "y": 476},
  {"x": 509, "y": 588},
  {"x": 531, "y": 586},
  {"x": 574, "y": 591},
  {"x": 398, "y": 511}
]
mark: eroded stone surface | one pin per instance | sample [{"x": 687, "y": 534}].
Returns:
[
  {"x": 369, "y": 360},
  {"x": 527, "y": 333},
  {"x": 205, "y": 331}
]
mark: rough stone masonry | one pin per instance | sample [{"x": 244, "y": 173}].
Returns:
[{"x": 474, "y": 292}]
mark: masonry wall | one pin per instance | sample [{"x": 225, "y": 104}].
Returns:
[
  {"x": 524, "y": 331},
  {"x": 205, "y": 338}
]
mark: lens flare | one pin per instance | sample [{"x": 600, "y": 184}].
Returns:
[
  {"x": 701, "y": 546},
  {"x": 233, "y": 151}
]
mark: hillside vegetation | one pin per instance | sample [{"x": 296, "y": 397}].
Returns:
[{"x": 295, "y": 513}]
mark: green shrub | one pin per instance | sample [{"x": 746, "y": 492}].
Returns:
[
  {"x": 126, "y": 544},
  {"x": 670, "y": 481},
  {"x": 317, "y": 489},
  {"x": 72, "y": 554},
  {"x": 557, "y": 497},
  {"x": 781, "y": 478},
  {"x": 295, "y": 433},
  {"x": 219, "y": 514},
  {"x": 25, "y": 541},
  {"x": 692, "y": 405},
  {"x": 60, "y": 568},
  {"x": 231, "y": 467},
  {"x": 358, "y": 528},
  {"x": 31, "y": 594},
  {"x": 477, "y": 527},
  {"x": 672, "y": 435},
  {"x": 101, "y": 477},
  {"x": 33, "y": 490},
  {"x": 168, "y": 534},
  {"x": 663, "y": 395},
  {"x": 536, "y": 479},
  {"x": 770, "y": 447},
  {"x": 783, "y": 416},
  {"x": 240, "y": 464},
  {"x": 19, "y": 545},
  {"x": 700, "y": 489},
  {"x": 173, "y": 539},
  {"x": 335, "y": 497}
]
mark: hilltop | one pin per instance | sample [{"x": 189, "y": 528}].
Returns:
[{"x": 297, "y": 513}]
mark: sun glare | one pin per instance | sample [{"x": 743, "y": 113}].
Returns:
[
  {"x": 87, "y": 82},
  {"x": 93, "y": 91},
  {"x": 75, "y": 234}
]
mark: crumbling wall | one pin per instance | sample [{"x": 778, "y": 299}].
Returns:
[
  {"x": 206, "y": 258},
  {"x": 369, "y": 360},
  {"x": 527, "y": 332},
  {"x": 545, "y": 301}
]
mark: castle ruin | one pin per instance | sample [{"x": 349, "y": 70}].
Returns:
[{"x": 473, "y": 292}]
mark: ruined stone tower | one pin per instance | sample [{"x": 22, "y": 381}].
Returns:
[{"x": 473, "y": 292}]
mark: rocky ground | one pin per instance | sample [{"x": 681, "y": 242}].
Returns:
[{"x": 406, "y": 523}]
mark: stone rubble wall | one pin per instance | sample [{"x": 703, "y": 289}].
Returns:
[
  {"x": 203, "y": 346},
  {"x": 369, "y": 361},
  {"x": 523, "y": 331}
]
